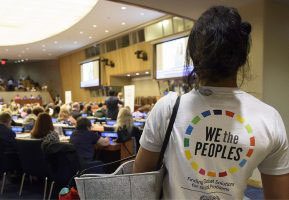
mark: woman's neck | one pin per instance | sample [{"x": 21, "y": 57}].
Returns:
[{"x": 223, "y": 83}]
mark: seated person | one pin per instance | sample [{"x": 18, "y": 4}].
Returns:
[
  {"x": 88, "y": 111},
  {"x": 65, "y": 116},
  {"x": 44, "y": 130},
  {"x": 86, "y": 141},
  {"x": 142, "y": 112},
  {"x": 101, "y": 111},
  {"x": 32, "y": 116},
  {"x": 56, "y": 111},
  {"x": 17, "y": 97},
  {"x": 125, "y": 121},
  {"x": 75, "y": 110},
  {"x": 7, "y": 136}
]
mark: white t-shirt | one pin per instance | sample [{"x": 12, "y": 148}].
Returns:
[{"x": 216, "y": 143}]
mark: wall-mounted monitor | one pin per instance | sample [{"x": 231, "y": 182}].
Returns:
[
  {"x": 90, "y": 74},
  {"x": 170, "y": 58}
]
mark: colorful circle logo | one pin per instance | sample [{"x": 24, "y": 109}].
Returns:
[{"x": 190, "y": 131}]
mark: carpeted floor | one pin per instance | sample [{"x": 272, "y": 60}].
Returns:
[{"x": 35, "y": 190}]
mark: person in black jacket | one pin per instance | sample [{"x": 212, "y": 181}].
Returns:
[
  {"x": 86, "y": 141},
  {"x": 112, "y": 105},
  {"x": 7, "y": 136}
]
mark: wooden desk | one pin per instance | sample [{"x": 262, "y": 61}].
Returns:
[{"x": 28, "y": 101}]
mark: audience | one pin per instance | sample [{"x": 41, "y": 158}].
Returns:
[
  {"x": 125, "y": 122},
  {"x": 86, "y": 141},
  {"x": 75, "y": 110},
  {"x": 44, "y": 130},
  {"x": 88, "y": 110},
  {"x": 7, "y": 136},
  {"x": 56, "y": 111},
  {"x": 101, "y": 111},
  {"x": 65, "y": 116}
]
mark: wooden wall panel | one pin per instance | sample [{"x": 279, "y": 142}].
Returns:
[{"x": 125, "y": 62}]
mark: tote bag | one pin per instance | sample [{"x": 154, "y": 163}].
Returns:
[{"x": 123, "y": 184}]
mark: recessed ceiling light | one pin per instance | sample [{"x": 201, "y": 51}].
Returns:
[
  {"x": 6, "y": 49},
  {"x": 142, "y": 14},
  {"x": 106, "y": 31},
  {"x": 81, "y": 32},
  {"x": 123, "y": 23},
  {"x": 128, "y": 75},
  {"x": 22, "y": 60},
  {"x": 43, "y": 45},
  {"x": 123, "y": 7},
  {"x": 94, "y": 25},
  {"x": 27, "y": 48},
  {"x": 43, "y": 49},
  {"x": 75, "y": 42},
  {"x": 147, "y": 72},
  {"x": 89, "y": 37},
  {"x": 137, "y": 74},
  {"x": 55, "y": 42}
]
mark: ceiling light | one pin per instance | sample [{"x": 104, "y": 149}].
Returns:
[
  {"x": 142, "y": 14},
  {"x": 137, "y": 74},
  {"x": 75, "y": 42},
  {"x": 18, "y": 19},
  {"x": 89, "y": 37},
  {"x": 27, "y": 48},
  {"x": 123, "y": 7},
  {"x": 55, "y": 42},
  {"x": 147, "y": 72},
  {"x": 106, "y": 31},
  {"x": 81, "y": 32},
  {"x": 128, "y": 75},
  {"x": 123, "y": 23},
  {"x": 22, "y": 60},
  {"x": 43, "y": 45},
  {"x": 94, "y": 26}
]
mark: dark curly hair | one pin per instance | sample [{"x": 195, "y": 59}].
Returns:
[{"x": 218, "y": 46}]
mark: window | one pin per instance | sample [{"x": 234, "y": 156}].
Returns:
[
  {"x": 178, "y": 24},
  {"x": 154, "y": 31},
  {"x": 167, "y": 26}
]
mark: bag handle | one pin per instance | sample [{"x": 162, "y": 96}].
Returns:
[{"x": 168, "y": 132}]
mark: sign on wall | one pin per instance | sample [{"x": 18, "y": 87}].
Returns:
[
  {"x": 68, "y": 97},
  {"x": 129, "y": 95}
]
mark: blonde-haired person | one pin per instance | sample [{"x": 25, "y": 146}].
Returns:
[
  {"x": 65, "y": 116},
  {"x": 125, "y": 121}
]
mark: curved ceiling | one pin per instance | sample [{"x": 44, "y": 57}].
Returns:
[
  {"x": 28, "y": 21},
  {"x": 104, "y": 20}
]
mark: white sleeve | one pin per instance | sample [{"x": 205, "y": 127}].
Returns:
[
  {"x": 156, "y": 124},
  {"x": 277, "y": 162}
]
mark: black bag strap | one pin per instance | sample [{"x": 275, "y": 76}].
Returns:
[{"x": 168, "y": 132}]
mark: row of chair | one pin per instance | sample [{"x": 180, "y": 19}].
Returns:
[{"x": 58, "y": 163}]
